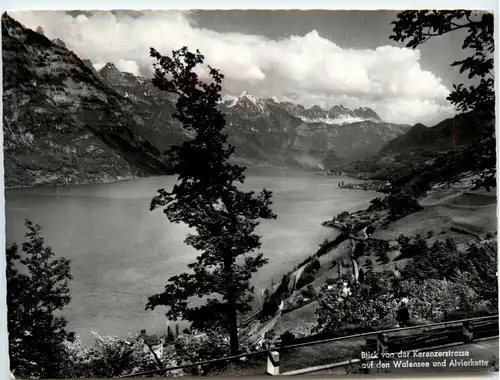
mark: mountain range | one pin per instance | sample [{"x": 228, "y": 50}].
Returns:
[
  {"x": 65, "y": 122},
  {"x": 451, "y": 133},
  {"x": 266, "y": 131}
]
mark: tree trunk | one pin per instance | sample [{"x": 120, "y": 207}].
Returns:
[
  {"x": 228, "y": 266},
  {"x": 233, "y": 323},
  {"x": 231, "y": 305}
]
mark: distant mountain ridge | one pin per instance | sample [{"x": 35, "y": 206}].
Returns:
[
  {"x": 458, "y": 131},
  {"x": 65, "y": 122},
  {"x": 336, "y": 115},
  {"x": 266, "y": 131}
]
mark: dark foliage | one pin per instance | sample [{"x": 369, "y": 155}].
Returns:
[
  {"x": 271, "y": 304},
  {"x": 359, "y": 249},
  {"x": 308, "y": 273},
  {"x": 308, "y": 292},
  {"x": 402, "y": 204},
  {"x": 287, "y": 338},
  {"x": 207, "y": 199},
  {"x": 305, "y": 278},
  {"x": 37, "y": 289},
  {"x": 442, "y": 260},
  {"x": 417, "y": 27}
]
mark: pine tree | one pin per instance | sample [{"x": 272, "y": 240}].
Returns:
[
  {"x": 207, "y": 199},
  {"x": 37, "y": 288}
]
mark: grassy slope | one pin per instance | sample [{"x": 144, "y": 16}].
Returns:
[{"x": 449, "y": 213}]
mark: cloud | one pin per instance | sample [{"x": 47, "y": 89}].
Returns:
[{"x": 308, "y": 69}]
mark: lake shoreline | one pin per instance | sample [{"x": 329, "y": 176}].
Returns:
[
  {"x": 117, "y": 180},
  {"x": 121, "y": 253},
  {"x": 249, "y": 170}
]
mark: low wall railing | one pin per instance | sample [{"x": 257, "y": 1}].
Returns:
[{"x": 273, "y": 355}]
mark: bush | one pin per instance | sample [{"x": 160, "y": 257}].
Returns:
[
  {"x": 330, "y": 281},
  {"x": 358, "y": 309},
  {"x": 304, "y": 279},
  {"x": 314, "y": 265},
  {"x": 308, "y": 292},
  {"x": 439, "y": 281},
  {"x": 108, "y": 357},
  {"x": 432, "y": 299},
  {"x": 402, "y": 204},
  {"x": 287, "y": 338},
  {"x": 359, "y": 249}
]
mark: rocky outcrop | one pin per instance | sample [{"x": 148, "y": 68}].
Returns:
[
  {"x": 59, "y": 43},
  {"x": 63, "y": 125}
]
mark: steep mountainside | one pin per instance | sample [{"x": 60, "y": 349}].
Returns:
[
  {"x": 62, "y": 124},
  {"x": 462, "y": 129}
]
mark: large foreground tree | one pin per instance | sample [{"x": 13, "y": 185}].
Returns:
[
  {"x": 417, "y": 27},
  {"x": 37, "y": 289},
  {"x": 206, "y": 197}
]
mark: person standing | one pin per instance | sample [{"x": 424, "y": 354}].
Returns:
[{"x": 403, "y": 316}]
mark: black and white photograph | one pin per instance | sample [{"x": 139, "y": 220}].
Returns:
[{"x": 250, "y": 192}]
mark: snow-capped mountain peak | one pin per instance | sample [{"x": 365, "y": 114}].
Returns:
[
  {"x": 336, "y": 115},
  {"x": 247, "y": 100}
]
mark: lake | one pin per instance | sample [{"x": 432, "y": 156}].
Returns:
[{"x": 121, "y": 253}]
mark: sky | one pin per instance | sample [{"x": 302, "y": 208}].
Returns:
[{"x": 321, "y": 58}]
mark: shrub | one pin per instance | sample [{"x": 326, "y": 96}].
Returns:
[
  {"x": 108, "y": 357},
  {"x": 330, "y": 281},
  {"x": 307, "y": 275},
  {"x": 402, "y": 204},
  {"x": 304, "y": 279},
  {"x": 308, "y": 292},
  {"x": 359, "y": 249},
  {"x": 314, "y": 265},
  {"x": 356, "y": 309},
  {"x": 287, "y": 338},
  {"x": 432, "y": 299}
]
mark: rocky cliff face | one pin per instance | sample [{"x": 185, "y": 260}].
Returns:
[
  {"x": 286, "y": 127},
  {"x": 62, "y": 125}
]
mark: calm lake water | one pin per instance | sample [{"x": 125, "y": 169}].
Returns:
[{"x": 121, "y": 253}]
